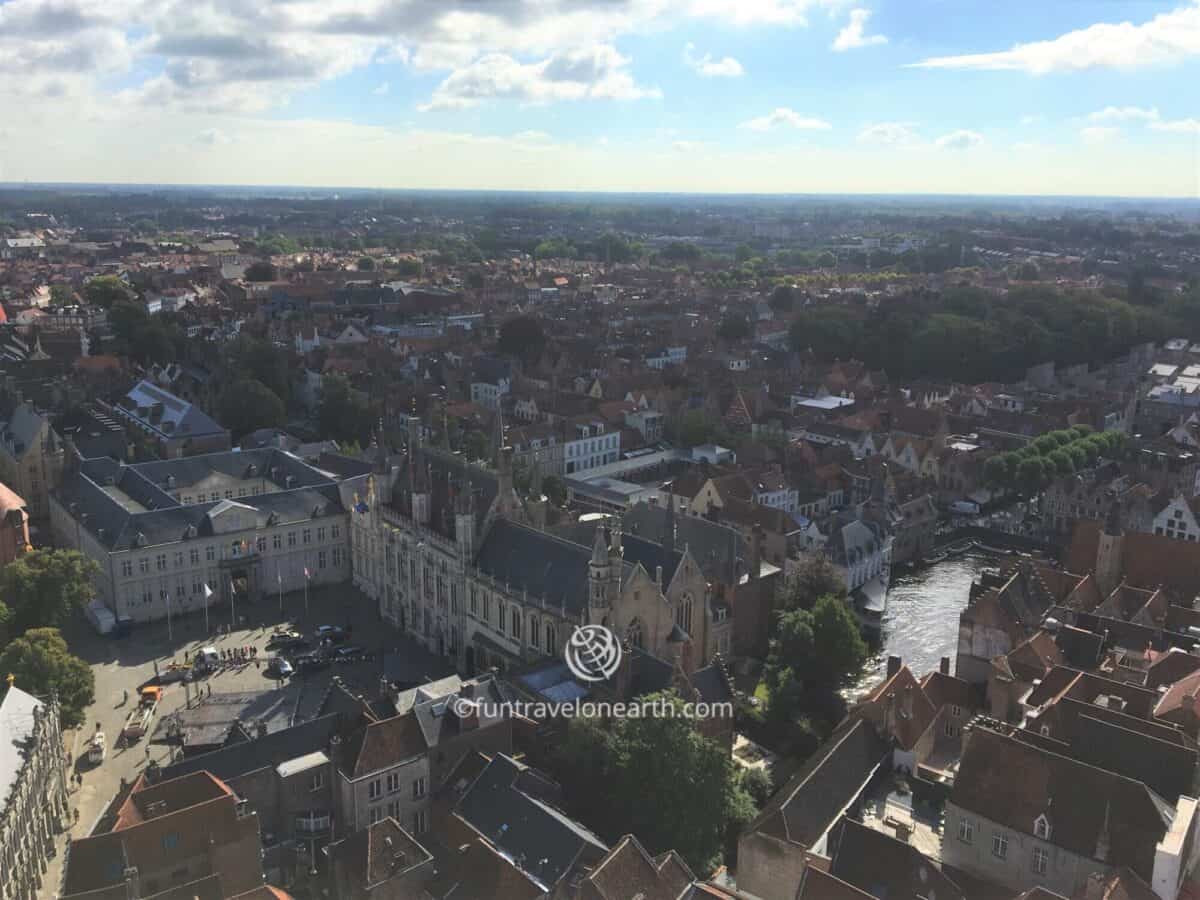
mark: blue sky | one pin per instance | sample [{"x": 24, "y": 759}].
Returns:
[{"x": 959, "y": 96}]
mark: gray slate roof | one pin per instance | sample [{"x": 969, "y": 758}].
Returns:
[
  {"x": 16, "y": 728},
  {"x": 20, "y": 432},
  {"x": 539, "y": 563},
  {"x": 541, "y": 839}
]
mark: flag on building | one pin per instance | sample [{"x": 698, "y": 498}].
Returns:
[
  {"x": 306, "y": 573},
  {"x": 208, "y": 592}
]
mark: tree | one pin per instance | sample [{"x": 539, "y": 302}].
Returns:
[
  {"x": 409, "y": 267},
  {"x": 734, "y": 328},
  {"x": 1029, "y": 271},
  {"x": 106, "y": 291},
  {"x": 522, "y": 337},
  {"x": 261, "y": 271},
  {"x": 343, "y": 414},
  {"x": 43, "y": 588},
  {"x": 41, "y": 665},
  {"x": 814, "y": 576},
  {"x": 816, "y": 650},
  {"x": 476, "y": 445},
  {"x": 1032, "y": 474},
  {"x": 365, "y": 264},
  {"x": 250, "y": 357},
  {"x": 555, "y": 490},
  {"x": 840, "y": 648},
  {"x": 61, "y": 295},
  {"x": 248, "y": 404},
  {"x": 657, "y": 777},
  {"x": 783, "y": 298}
]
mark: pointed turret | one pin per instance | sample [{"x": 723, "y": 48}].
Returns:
[{"x": 600, "y": 548}]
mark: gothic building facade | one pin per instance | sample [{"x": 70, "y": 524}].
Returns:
[{"x": 455, "y": 558}]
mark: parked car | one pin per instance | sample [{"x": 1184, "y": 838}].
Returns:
[
  {"x": 348, "y": 653},
  {"x": 332, "y": 633},
  {"x": 279, "y": 667},
  {"x": 283, "y": 639}
]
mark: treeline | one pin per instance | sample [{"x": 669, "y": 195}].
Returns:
[
  {"x": 969, "y": 335},
  {"x": 1052, "y": 455}
]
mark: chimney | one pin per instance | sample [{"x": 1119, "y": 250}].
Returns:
[
  {"x": 944, "y": 666},
  {"x": 893, "y": 666}
]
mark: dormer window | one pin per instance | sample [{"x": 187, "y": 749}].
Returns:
[{"x": 1041, "y": 828}]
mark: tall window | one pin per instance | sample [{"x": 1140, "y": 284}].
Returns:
[
  {"x": 1041, "y": 860},
  {"x": 633, "y": 634},
  {"x": 501, "y": 610},
  {"x": 551, "y": 641},
  {"x": 535, "y": 637},
  {"x": 1000, "y": 845},
  {"x": 966, "y": 831},
  {"x": 516, "y": 624},
  {"x": 683, "y": 613}
]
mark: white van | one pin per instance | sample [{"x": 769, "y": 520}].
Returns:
[{"x": 207, "y": 658}]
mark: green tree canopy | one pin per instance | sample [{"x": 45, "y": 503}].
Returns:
[
  {"x": 818, "y": 649},
  {"x": 261, "y": 271},
  {"x": 251, "y": 357},
  {"x": 365, "y": 264},
  {"x": 61, "y": 295},
  {"x": 105, "y": 291},
  {"x": 783, "y": 298},
  {"x": 42, "y": 665},
  {"x": 813, "y": 577},
  {"x": 343, "y": 415},
  {"x": 248, "y": 404},
  {"x": 734, "y": 327},
  {"x": 522, "y": 337},
  {"x": 43, "y": 588},
  {"x": 657, "y": 777}
]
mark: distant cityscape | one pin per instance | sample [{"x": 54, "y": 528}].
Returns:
[{"x": 307, "y": 493}]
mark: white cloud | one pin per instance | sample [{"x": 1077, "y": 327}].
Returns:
[
  {"x": 706, "y": 66},
  {"x": 1167, "y": 38},
  {"x": 1099, "y": 134},
  {"x": 213, "y": 136},
  {"x": 781, "y": 115},
  {"x": 960, "y": 140},
  {"x": 597, "y": 72},
  {"x": 891, "y": 133},
  {"x": 1178, "y": 126},
  {"x": 1124, "y": 114},
  {"x": 382, "y": 89},
  {"x": 686, "y": 146},
  {"x": 854, "y": 34},
  {"x": 758, "y": 12}
]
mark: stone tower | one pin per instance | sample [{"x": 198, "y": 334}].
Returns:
[
  {"x": 603, "y": 574},
  {"x": 1109, "y": 569}
]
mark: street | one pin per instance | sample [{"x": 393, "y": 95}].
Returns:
[{"x": 122, "y": 665}]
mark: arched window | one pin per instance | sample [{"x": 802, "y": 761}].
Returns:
[
  {"x": 551, "y": 639},
  {"x": 516, "y": 623},
  {"x": 1041, "y": 827},
  {"x": 683, "y": 612},
  {"x": 633, "y": 634},
  {"x": 501, "y": 612},
  {"x": 535, "y": 637}
]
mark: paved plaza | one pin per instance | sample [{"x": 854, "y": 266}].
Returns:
[{"x": 122, "y": 665}]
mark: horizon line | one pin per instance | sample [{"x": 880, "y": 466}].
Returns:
[{"x": 177, "y": 185}]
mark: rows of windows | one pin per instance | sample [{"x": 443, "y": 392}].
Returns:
[
  {"x": 1039, "y": 858},
  {"x": 237, "y": 548}
]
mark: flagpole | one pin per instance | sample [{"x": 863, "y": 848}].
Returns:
[
  {"x": 306, "y": 592},
  {"x": 279, "y": 581},
  {"x": 207, "y": 594},
  {"x": 170, "y": 636},
  {"x": 232, "y": 605}
]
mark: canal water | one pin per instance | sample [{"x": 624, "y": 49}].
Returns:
[{"x": 921, "y": 622}]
